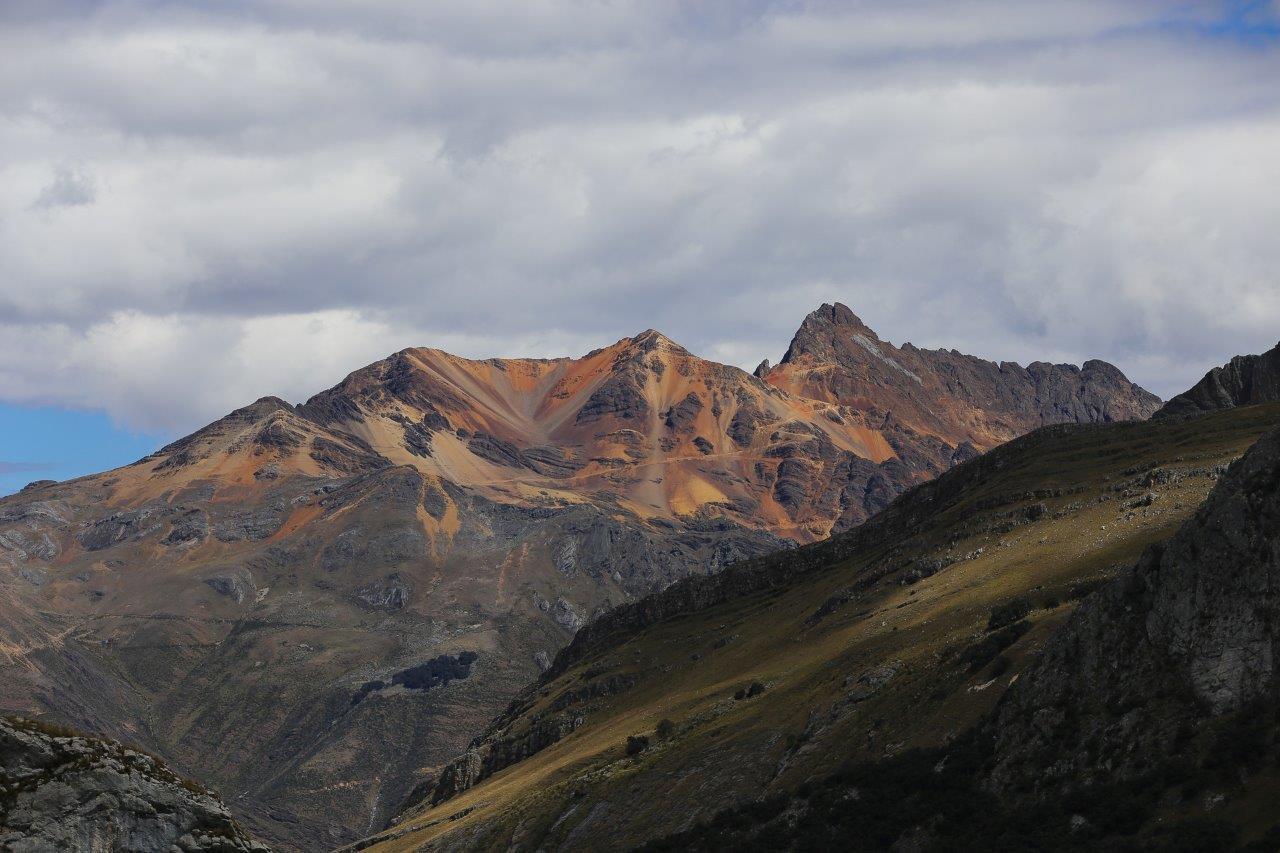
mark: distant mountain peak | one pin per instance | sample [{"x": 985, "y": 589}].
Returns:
[
  {"x": 816, "y": 335},
  {"x": 651, "y": 340}
]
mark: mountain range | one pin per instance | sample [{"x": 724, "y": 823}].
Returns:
[{"x": 315, "y": 608}]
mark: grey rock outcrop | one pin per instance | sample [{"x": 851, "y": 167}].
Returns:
[
  {"x": 63, "y": 791},
  {"x": 1243, "y": 380},
  {"x": 1187, "y": 635}
]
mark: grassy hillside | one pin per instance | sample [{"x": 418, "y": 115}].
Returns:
[{"x": 906, "y": 642}]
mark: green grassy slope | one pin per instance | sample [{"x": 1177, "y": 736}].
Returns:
[{"x": 905, "y": 643}]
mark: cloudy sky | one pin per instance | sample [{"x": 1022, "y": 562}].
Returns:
[{"x": 208, "y": 202}]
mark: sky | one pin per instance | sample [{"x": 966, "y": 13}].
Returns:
[{"x": 206, "y": 203}]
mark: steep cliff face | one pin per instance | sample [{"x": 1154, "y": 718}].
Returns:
[
  {"x": 1188, "y": 635},
  {"x": 962, "y": 401},
  {"x": 64, "y": 791},
  {"x": 1244, "y": 380}
]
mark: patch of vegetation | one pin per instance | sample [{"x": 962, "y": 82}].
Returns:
[
  {"x": 637, "y": 744},
  {"x": 434, "y": 673},
  {"x": 666, "y": 729},
  {"x": 367, "y": 688},
  {"x": 43, "y": 727}
]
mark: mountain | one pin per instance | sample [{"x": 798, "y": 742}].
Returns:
[
  {"x": 663, "y": 432},
  {"x": 61, "y": 790},
  {"x": 311, "y": 607},
  {"x": 1243, "y": 380},
  {"x": 835, "y": 696}
]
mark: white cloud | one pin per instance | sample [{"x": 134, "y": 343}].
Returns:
[{"x": 209, "y": 203}]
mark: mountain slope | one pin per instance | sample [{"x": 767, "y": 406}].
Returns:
[
  {"x": 662, "y": 431},
  {"x": 310, "y": 607},
  {"x": 1187, "y": 635},
  {"x": 1148, "y": 722},
  {"x": 903, "y": 633}
]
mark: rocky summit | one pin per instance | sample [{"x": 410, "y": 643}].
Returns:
[
  {"x": 312, "y": 608},
  {"x": 1244, "y": 380}
]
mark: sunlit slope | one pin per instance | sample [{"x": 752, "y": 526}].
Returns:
[{"x": 861, "y": 656}]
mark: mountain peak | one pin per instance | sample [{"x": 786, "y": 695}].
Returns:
[
  {"x": 816, "y": 335},
  {"x": 651, "y": 339}
]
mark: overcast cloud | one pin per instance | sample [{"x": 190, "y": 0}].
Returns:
[{"x": 205, "y": 203}]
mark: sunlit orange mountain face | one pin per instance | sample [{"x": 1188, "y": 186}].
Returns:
[{"x": 309, "y": 607}]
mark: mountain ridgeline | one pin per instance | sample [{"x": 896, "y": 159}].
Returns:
[{"x": 318, "y": 606}]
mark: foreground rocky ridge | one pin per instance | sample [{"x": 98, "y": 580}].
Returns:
[
  {"x": 1148, "y": 722},
  {"x": 63, "y": 791},
  {"x": 273, "y": 602},
  {"x": 1188, "y": 635}
]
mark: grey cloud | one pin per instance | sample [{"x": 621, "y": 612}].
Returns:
[
  {"x": 69, "y": 188},
  {"x": 1024, "y": 181}
]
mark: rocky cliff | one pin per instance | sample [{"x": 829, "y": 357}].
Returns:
[
  {"x": 63, "y": 791},
  {"x": 1244, "y": 380},
  {"x": 1185, "y": 637}
]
